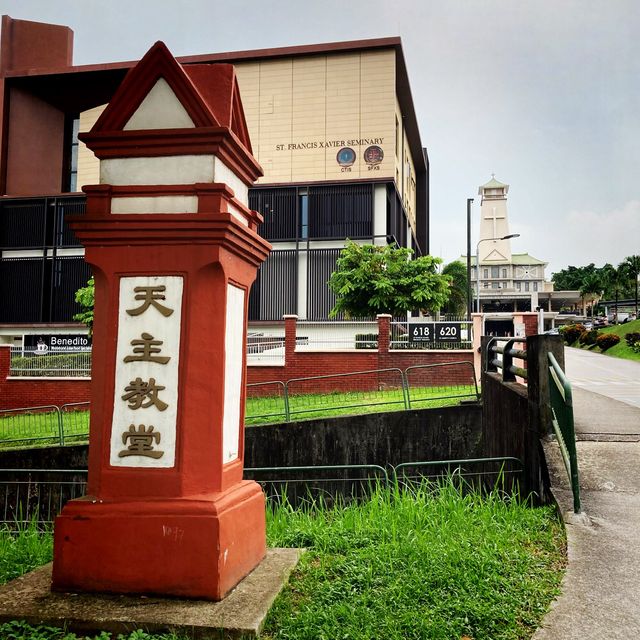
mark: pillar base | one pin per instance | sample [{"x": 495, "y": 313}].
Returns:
[{"x": 195, "y": 547}]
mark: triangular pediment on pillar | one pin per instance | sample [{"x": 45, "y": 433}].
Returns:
[
  {"x": 495, "y": 256},
  {"x": 157, "y": 76},
  {"x": 163, "y": 108}
]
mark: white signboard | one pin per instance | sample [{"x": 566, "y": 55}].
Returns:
[
  {"x": 233, "y": 346},
  {"x": 143, "y": 431}
]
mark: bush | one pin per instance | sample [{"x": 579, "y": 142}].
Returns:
[
  {"x": 589, "y": 337},
  {"x": 632, "y": 338},
  {"x": 607, "y": 340},
  {"x": 53, "y": 365},
  {"x": 366, "y": 340},
  {"x": 571, "y": 332}
]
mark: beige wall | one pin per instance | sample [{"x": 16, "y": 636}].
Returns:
[
  {"x": 88, "y": 164},
  {"x": 302, "y": 110}
]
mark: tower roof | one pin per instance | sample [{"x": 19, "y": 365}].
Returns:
[{"x": 493, "y": 184}]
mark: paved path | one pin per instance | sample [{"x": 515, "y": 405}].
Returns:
[
  {"x": 601, "y": 588},
  {"x": 612, "y": 377}
]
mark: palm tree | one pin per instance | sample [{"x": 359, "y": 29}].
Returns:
[
  {"x": 616, "y": 280},
  {"x": 591, "y": 289},
  {"x": 632, "y": 267},
  {"x": 457, "y": 302}
]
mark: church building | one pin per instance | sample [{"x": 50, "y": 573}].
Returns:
[{"x": 507, "y": 281}]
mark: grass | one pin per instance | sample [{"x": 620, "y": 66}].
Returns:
[
  {"x": 428, "y": 563},
  {"x": 21, "y": 430},
  {"x": 622, "y": 349}
]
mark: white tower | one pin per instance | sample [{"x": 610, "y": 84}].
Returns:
[{"x": 494, "y": 224}]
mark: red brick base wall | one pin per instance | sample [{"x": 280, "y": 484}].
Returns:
[{"x": 31, "y": 392}]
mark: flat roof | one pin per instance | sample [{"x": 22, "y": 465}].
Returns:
[{"x": 82, "y": 87}]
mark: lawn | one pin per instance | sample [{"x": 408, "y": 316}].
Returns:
[
  {"x": 20, "y": 430},
  {"x": 622, "y": 349},
  {"x": 425, "y": 564}
]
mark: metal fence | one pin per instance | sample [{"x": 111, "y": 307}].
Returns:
[
  {"x": 563, "y": 426},
  {"x": 34, "y": 363},
  {"x": 265, "y": 347},
  {"x": 36, "y": 496},
  {"x": 376, "y": 389},
  {"x": 45, "y": 425},
  {"x": 500, "y": 357},
  {"x": 340, "y": 335}
]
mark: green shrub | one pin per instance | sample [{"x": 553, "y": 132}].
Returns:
[
  {"x": 571, "y": 332},
  {"x": 53, "y": 365},
  {"x": 366, "y": 340},
  {"x": 589, "y": 337},
  {"x": 607, "y": 340},
  {"x": 632, "y": 338}
]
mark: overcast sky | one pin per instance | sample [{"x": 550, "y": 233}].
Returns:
[{"x": 543, "y": 93}]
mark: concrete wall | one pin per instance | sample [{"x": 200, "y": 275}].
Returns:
[{"x": 378, "y": 438}]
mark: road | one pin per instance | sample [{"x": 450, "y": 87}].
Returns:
[{"x": 612, "y": 377}]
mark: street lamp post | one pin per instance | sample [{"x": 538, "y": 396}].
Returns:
[
  {"x": 507, "y": 237},
  {"x": 469, "y": 298}
]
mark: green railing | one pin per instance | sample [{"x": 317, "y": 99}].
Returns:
[
  {"x": 45, "y": 426},
  {"x": 360, "y": 392},
  {"x": 38, "y": 495},
  {"x": 562, "y": 411}
]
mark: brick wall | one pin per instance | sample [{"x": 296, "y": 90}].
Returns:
[
  {"x": 307, "y": 364},
  {"x": 30, "y": 392},
  {"x": 36, "y": 392}
]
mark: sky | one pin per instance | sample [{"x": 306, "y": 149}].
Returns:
[{"x": 543, "y": 93}]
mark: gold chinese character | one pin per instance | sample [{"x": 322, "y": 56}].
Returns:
[
  {"x": 149, "y": 297},
  {"x": 138, "y": 390},
  {"x": 146, "y": 348},
  {"x": 141, "y": 442}
]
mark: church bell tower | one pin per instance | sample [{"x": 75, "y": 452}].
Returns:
[{"x": 494, "y": 223}]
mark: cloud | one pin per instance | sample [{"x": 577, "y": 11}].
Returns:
[{"x": 581, "y": 237}]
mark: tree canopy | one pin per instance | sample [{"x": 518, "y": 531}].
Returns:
[
  {"x": 85, "y": 297},
  {"x": 457, "y": 303},
  {"x": 371, "y": 279}
]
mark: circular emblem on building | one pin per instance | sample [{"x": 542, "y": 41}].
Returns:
[
  {"x": 373, "y": 155},
  {"x": 346, "y": 157}
]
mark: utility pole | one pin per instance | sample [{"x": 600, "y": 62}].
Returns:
[{"x": 469, "y": 299}]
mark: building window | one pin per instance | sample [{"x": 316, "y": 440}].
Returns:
[
  {"x": 485, "y": 273},
  {"x": 526, "y": 286},
  {"x": 486, "y": 285},
  {"x": 495, "y": 272},
  {"x": 518, "y": 286},
  {"x": 504, "y": 273},
  {"x": 398, "y": 140},
  {"x": 303, "y": 204},
  {"x": 495, "y": 285},
  {"x": 535, "y": 286}
]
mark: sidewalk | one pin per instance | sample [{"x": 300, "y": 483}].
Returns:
[{"x": 601, "y": 588}]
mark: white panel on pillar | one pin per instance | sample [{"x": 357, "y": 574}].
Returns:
[
  {"x": 160, "y": 109},
  {"x": 233, "y": 350},
  {"x": 143, "y": 432}
]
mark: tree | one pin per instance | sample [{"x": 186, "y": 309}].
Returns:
[
  {"x": 591, "y": 289},
  {"x": 457, "y": 272},
  {"x": 85, "y": 297},
  {"x": 370, "y": 279},
  {"x": 615, "y": 281},
  {"x": 632, "y": 267}
]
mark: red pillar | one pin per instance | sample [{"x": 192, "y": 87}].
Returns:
[{"x": 167, "y": 510}]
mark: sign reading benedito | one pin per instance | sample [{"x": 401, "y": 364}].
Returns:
[{"x": 143, "y": 432}]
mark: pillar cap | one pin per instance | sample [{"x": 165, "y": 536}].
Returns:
[
  {"x": 384, "y": 315},
  {"x": 290, "y": 316}
]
